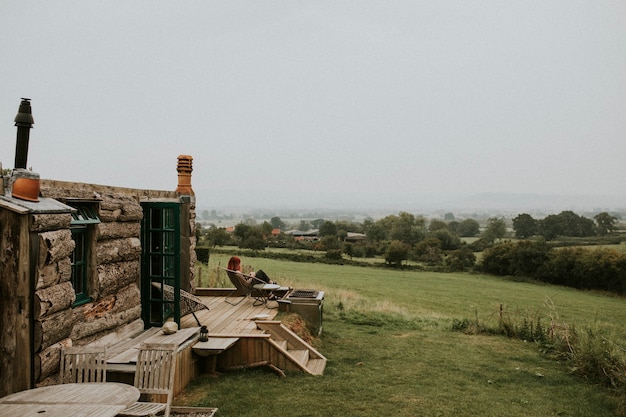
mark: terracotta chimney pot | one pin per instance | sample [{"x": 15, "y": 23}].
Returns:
[{"x": 184, "y": 169}]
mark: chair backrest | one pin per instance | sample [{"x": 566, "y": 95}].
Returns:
[
  {"x": 243, "y": 286},
  {"x": 83, "y": 364},
  {"x": 156, "y": 369},
  {"x": 188, "y": 302}
]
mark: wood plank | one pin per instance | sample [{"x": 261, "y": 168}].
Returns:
[
  {"x": 154, "y": 335},
  {"x": 214, "y": 345},
  {"x": 130, "y": 342},
  {"x": 79, "y": 393},
  {"x": 60, "y": 410},
  {"x": 226, "y": 318}
]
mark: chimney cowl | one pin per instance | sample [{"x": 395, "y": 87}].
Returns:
[{"x": 24, "y": 115}]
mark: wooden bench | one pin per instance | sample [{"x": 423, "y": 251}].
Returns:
[{"x": 122, "y": 356}]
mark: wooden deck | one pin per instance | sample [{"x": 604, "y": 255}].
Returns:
[
  {"x": 240, "y": 336},
  {"x": 224, "y": 319}
]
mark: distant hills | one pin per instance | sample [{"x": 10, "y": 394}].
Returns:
[{"x": 371, "y": 204}]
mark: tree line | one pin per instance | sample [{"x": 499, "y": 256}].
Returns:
[{"x": 566, "y": 223}]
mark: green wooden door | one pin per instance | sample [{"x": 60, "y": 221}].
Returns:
[{"x": 160, "y": 263}]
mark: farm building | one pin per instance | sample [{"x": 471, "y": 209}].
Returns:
[
  {"x": 78, "y": 263},
  {"x": 86, "y": 264}
]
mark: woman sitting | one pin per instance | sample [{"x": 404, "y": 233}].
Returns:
[{"x": 234, "y": 264}]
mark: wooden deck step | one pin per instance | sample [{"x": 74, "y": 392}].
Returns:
[
  {"x": 316, "y": 366},
  {"x": 301, "y": 356}
]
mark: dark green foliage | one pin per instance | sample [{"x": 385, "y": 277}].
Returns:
[
  {"x": 397, "y": 252},
  {"x": 598, "y": 269},
  {"x": 525, "y": 226},
  {"x": 496, "y": 229},
  {"x": 449, "y": 240},
  {"x": 522, "y": 258},
  {"x": 428, "y": 250},
  {"x": 203, "y": 255},
  {"x": 334, "y": 254},
  {"x": 328, "y": 228},
  {"x": 566, "y": 223},
  {"x": 460, "y": 260},
  {"x": 468, "y": 228},
  {"x": 606, "y": 223}
]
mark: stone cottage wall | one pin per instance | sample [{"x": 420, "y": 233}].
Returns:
[{"x": 115, "y": 311}]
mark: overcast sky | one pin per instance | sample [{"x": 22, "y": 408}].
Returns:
[{"x": 315, "y": 101}]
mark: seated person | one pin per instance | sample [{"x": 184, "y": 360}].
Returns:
[{"x": 234, "y": 264}]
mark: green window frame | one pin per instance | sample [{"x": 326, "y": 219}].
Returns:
[
  {"x": 160, "y": 263},
  {"x": 82, "y": 227}
]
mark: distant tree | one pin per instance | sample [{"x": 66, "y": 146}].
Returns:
[
  {"x": 437, "y": 225},
  {"x": 328, "y": 242},
  {"x": 349, "y": 226},
  {"x": 496, "y": 229},
  {"x": 449, "y": 240},
  {"x": 525, "y": 226},
  {"x": 266, "y": 229},
  {"x": 241, "y": 229},
  {"x": 575, "y": 225},
  {"x": 550, "y": 227},
  {"x": 453, "y": 226},
  {"x": 277, "y": 223},
  {"x": 253, "y": 239},
  {"x": 407, "y": 228},
  {"x": 317, "y": 223},
  {"x": 396, "y": 253},
  {"x": 468, "y": 228},
  {"x": 461, "y": 259},
  {"x": 449, "y": 217},
  {"x": 217, "y": 236},
  {"x": 328, "y": 228},
  {"x": 566, "y": 223},
  {"x": 348, "y": 249},
  {"x": 606, "y": 223},
  {"x": 376, "y": 232},
  {"x": 428, "y": 250}
]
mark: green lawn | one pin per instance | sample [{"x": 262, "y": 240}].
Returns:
[{"x": 390, "y": 349}]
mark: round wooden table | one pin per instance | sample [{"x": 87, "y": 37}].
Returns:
[
  {"x": 265, "y": 292},
  {"x": 103, "y": 393}
]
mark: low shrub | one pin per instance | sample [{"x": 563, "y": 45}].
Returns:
[{"x": 590, "y": 353}]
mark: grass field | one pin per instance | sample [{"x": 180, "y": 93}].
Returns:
[{"x": 387, "y": 335}]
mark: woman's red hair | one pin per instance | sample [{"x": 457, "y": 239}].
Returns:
[{"x": 234, "y": 263}]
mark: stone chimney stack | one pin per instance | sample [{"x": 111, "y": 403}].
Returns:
[{"x": 184, "y": 175}]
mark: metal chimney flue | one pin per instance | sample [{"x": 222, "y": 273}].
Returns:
[{"x": 24, "y": 122}]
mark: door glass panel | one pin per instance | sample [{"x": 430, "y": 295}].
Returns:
[{"x": 160, "y": 263}]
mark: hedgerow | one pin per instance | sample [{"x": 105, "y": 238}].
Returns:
[{"x": 588, "y": 269}]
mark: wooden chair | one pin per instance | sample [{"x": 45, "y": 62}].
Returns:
[
  {"x": 83, "y": 364},
  {"x": 244, "y": 285},
  {"x": 154, "y": 375}
]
